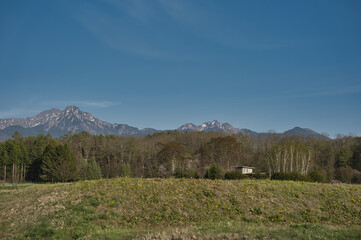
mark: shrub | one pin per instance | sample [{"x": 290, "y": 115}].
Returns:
[
  {"x": 344, "y": 174},
  {"x": 192, "y": 173},
  {"x": 356, "y": 177},
  {"x": 315, "y": 176},
  {"x": 180, "y": 173},
  {"x": 235, "y": 175},
  {"x": 293, "y": 176},
  {"x": 258, "y": 175},
  {"x": 215, "y": 172}
]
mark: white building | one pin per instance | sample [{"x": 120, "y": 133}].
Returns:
[{"x": 245, "y": 169}]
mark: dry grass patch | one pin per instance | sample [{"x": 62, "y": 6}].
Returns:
[{"x": 81, "y": 209}]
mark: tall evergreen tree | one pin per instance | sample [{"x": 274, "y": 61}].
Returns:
[
  {"x": 4, "y": 161},
  {"x": 16, "y": 157},
  {"x": 36, "y": 150},
  {"x": 90, "y": 170},
  {"x": 58, "y": 164}
]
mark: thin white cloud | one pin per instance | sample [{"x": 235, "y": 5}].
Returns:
[
  {"x": 141, "y": 28},
  {"x": 338, "y": 91},
  {"x": 153, "y": 29},
  {"x": 184, "y": 12},
  {"x": 139, "y": 10},
  {"x": 113, "y": 30},
  {"x": 44, "y": 105},
  {"x": 97, "y": 104},
  {"x": 102, "y": 104},
  {"x": 18, "y": 112}
]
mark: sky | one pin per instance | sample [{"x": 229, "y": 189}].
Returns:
[{"x": 262, "y": 65}]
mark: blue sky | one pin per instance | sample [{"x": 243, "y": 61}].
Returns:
[{"x": 262, "y": 65}]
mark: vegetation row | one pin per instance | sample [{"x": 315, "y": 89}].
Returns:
[{"x": 83, "y": 156}]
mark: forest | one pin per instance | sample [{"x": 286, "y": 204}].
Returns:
[{"x": 82, "y": 156}]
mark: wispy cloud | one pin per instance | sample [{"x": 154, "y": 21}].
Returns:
[
  {"x": 18, "y": 112},
  {"x": 134, "y": 28},
  {"x": 140, "y": 10},
  {"x": 165, "y": 30},
  {"x": 339, "y": 91},
  {"x": 101, "y": 104},
  {"x": 97, "y": 104},
  {"x": 183, "y": 12},
  {"x": 43, "y": 105}
]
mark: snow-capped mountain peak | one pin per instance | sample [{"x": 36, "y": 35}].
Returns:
[
  {"x": 209, "y": 126},
  {"x": 72, "y": 119}
]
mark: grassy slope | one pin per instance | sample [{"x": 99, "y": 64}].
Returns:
[{"x": 161, "y": 208}]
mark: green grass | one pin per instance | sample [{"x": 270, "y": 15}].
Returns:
[
  {"x": 126, "y": 208},
  {"x": 9, "y": 186}
]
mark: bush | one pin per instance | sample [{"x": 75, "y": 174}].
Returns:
[
  {"x": 356, "y": 177},
  {"x": 192, "y": 173},
  {"x": 215, "y": 172},
  {"x": 258, "y": 175},
  {"x": 315, "y": 176},
  {"x": 180, "y": 173},
  {"x": 344, "y": 174},
  {"x": 235, "y": 175},
  {"x": 293, "y": 176}
]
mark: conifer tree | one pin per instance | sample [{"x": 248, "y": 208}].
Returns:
[
  {"x": 58, "y": 164},
  {"x": 91, "y": 170},
  {"x": 4, "y": 160}
]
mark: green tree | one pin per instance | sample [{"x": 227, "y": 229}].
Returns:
[
  {"x": 356, "y": 159},
  {"x": 18, "y": 158},
  {"x": 215, "y": 171},
  {"x": 126, "y": 171},
  {"x": 58, "y": 164},
  {"x": 36, "y": 150},
  {"x": 344, "y": 157},
  {"x": 4, "y": 160},
  {"x": 91, "y": 170},
  {"x": 17, "y": 135}
]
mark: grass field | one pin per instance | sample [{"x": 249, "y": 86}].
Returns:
[{"x": 126, "y": 208}]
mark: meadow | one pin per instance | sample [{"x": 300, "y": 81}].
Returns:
[{"x": 136, "y": 208}]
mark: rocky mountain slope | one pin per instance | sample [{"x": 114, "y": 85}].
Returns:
[
  {"x": 216, "y": 127},
  {"x": 72, "y": 119}
]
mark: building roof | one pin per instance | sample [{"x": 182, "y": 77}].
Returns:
[{"x": 240, "y": 167}]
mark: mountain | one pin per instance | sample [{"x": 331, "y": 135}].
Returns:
[
  {"x": 72, "y": 119},
  {"x": 227, "y": 128},
  {"x": 306, "y": 132},
  {"x": 215, "y": 126}
]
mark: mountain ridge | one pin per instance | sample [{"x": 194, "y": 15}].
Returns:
[{"x": 59, "y": 122}]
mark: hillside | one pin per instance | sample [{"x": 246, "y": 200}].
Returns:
[{"x": 126, "y": 208}]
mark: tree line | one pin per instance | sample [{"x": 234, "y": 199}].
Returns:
[{"x": 80, "y": 156}]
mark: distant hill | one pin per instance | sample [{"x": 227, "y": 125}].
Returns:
[
  {"x": 303, "y": 132},
  {"x": 59, "y": 122}
]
